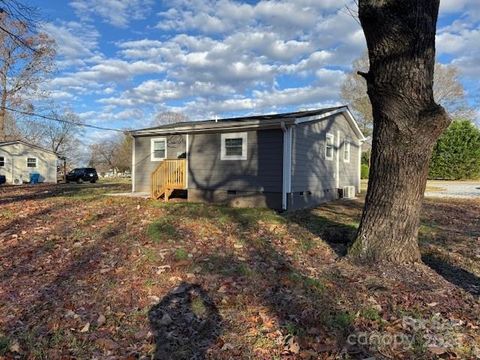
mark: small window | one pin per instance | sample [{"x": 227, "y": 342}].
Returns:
[
  {"x": 2, "y": 161},
  {"x": 329, "y": 141},
  {"x": 234, "y": 146},
  {"x": 346, "y": 151},
  {"x": 159, "y": 149},
  {"x": 31, "y": 162}
]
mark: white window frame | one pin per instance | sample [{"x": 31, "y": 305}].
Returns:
[
  {"x": 2, "y": 161},
  {"x": 346, "y": 151},
  {"x": 223, "y": 151},
  {"x": 329, "y": 136},
  {"x": 36, "y": 162},
  {"x": 152, "y": 148}
]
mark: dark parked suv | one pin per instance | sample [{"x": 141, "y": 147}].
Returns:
[{"x": 82, "y": 174}]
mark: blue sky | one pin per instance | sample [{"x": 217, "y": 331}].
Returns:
[{"x": 120, "y": 62}]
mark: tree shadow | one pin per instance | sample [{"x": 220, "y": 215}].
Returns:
[
  {"x": 302, "y": 303},
  {"x": 453, "y": 274},
  {"x": 337, "y": 235},
  {"x": 45, "y": 191},
  {"x": 185, "y": 323}
]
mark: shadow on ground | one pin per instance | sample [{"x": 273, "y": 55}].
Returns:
[
  {"x": 11, "y": 195},
  {"x": 336, "y": 234},
  {"x": 185, "y": 323},
  {"x": 453, "y": 274},
  {"x": 301, "y": 303}
]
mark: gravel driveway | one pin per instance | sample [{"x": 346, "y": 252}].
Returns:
[{"x": 455, "y": 189}]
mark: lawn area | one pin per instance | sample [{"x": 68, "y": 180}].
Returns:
[{"x": 84, "y": 275}]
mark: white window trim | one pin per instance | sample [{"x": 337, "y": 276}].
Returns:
[
  {"x": 346, "y": 150},
  {"x": 243, "y": 136},
  {"x": 36, "y": 162},
  {"x": 329, "y": 136},
  {"x": 152, "y": 149}
]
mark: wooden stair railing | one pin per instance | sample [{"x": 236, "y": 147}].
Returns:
[{"x": 170, "y": 175}]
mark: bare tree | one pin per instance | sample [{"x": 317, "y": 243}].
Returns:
[
  {"x": 112, "y": 154},
  {"x": 26, "y": 57},
  {"x": 61, "y": 137},
  {"x": 123, "y": 155},
  {"x": 103, "y": 154},
  {"x": 407, "y": 122},
  {"x": 447, "y": 90},
  {"x": 354, "y": 93}
]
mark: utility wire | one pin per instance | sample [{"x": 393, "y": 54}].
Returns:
[
  {"x": 16, "y": 38},
  {"x": 46, "y": 117}
]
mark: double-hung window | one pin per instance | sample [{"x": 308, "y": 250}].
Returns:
[
  {"x": 158, "y": 149},
  {"x": 234, "y": 146},
  {"x": 32, "y": 162},
  {"x": 329, "y": 142},
  {"x": 346, "y": 151},
  {"x": 2, "y": 161}
]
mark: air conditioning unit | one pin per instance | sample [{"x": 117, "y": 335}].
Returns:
[
  {"x": 17, "y": 181},
  {"x": 348, "y": 192}
]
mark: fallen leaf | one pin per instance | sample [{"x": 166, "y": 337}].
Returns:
[
  {"x": 107, "y": 344},
  {"x": 15, "y": 347},
  {"x": 85, "y": 328},
  {"x": 101, "y": 320}
]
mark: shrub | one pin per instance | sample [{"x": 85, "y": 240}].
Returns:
[
  {"x": 457, "y": 153},
  {"x": 364, "y": 171}
]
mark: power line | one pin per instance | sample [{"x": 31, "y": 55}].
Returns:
[
  {"x": 15, "y": 37},
  {"x": 18, "y": 39},
  {"x": 46, "y": 117}
]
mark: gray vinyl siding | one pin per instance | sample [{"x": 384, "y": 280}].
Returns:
[
  {"x": 15, "y": 163},
  {"x": 261, "y": 171},
  {"x": 313, "y": 176},
  {"x": 144, "y": 166}
]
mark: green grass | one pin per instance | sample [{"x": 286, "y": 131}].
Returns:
[
  {"x": 150, "y": 255},
  {"x": 371, "y": 313},
  {"x": 342, "y": 320},
  {"x": 198, "y": 307},
  {"x": 307, "y": 282},
  {"x": 7, "y": 214},
  {"x": 162, "y": 230},
  {"x": 293, "y": 329},
  {"x": 149, "y": 283},
  {"x": 181, "y": 254},
  {"x": 4, "y": 344}
]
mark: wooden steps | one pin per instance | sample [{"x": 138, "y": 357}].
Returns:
[{"x": 170, "y": 175}]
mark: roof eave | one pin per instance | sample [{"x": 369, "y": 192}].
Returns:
[{"x": 215, "y": 127}]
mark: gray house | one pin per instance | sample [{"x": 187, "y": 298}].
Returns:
[{"x": 282, "y": 161}]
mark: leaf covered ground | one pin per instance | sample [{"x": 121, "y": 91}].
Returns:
[{"x": 84, "y": 275}]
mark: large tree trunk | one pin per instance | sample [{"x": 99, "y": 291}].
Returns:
[{"x": 407, "y": 122}]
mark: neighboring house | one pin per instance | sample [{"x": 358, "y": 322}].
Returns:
[
  {"x": 282, "y": 161},
  {"x": 18, "y": 160}
]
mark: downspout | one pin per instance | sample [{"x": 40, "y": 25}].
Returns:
[
  {"x": 187, "y": 155},
  {"x": 337, "y": 165},
  {"x": 287, "y": 164},
  {"x": 133, "y": 164},
  {"x": 359, "y": 164}
]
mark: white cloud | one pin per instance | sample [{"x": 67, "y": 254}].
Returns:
[
  {"x": 75, "y": 42},
  {"x": 208, "y": 57},
  {"x": 115, "y": 12}
]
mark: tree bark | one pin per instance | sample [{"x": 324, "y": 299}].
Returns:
[{"x": 400, "y": 37}]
